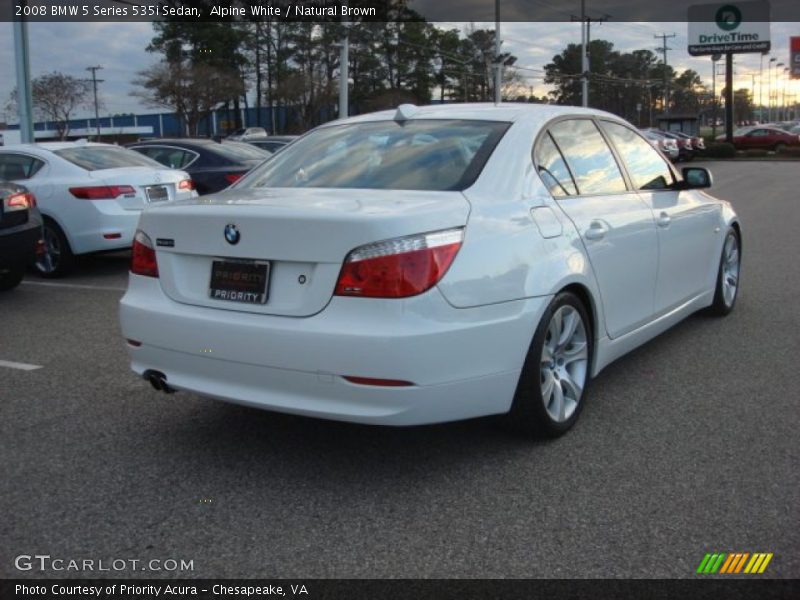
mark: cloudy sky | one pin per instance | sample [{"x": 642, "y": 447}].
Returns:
[{"x": 120, "y": 49}]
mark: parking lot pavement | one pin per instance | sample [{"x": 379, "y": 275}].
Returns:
[{"x": 688, "y": 445}]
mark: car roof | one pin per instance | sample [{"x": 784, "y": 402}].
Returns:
[
  {"x": 504, "y": 112},
  {"x": 53, "y": 146},
  {"x": 176, "y": 141}
]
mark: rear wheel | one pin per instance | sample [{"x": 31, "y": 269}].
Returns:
[
  {"x": 730, "y": 263},
  {"x": 779, "y": 147},
  {"x": 553, "y": 385},
  {"x": 57, "y": 258},
  {"x": 11, "y": 278}
]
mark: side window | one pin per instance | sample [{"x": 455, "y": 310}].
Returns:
[
  {"x": 552, "y": 168},
  {"x": 646, "y": 167},
  {"x": 15, "y": 167},
  {"x": 590, "y": 159}
]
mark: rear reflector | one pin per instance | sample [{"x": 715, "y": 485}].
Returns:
[
  {"x": 401, "y": 267},
  {"x": 22, "y": 201},
  {"x": 377, "y": 382},
  {"x": 233, "y": 177},
  {"x": 101, "y": 192},
  {"x": 143, "y": 256},
  {"x": 186, "y": 184},
  {"x": 112, "y": 236}
]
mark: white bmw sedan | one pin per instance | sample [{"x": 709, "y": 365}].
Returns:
[
  {"x": 90, "y": 195},
  {"x": 429, "y": 264}
]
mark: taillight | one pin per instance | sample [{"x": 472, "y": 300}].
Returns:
[
  {"x": 143, "y": 256},
  {"x": 21, "y": 201},
  {"x": 101, "y": 192},
  {"x": 401, "y": 267},
  {"x": 233, "y": 177},
  {"x": 186, "y": 184}
]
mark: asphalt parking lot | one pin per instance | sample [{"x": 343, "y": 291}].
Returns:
[{"x": 686, "y": 446}]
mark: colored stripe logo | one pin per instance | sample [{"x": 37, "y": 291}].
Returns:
[{"x": 734, "y": 563}]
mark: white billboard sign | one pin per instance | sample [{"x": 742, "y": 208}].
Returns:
[{"x": 729, "y": 27}]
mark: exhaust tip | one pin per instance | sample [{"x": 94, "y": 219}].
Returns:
[{"x": 158, "y": 380}]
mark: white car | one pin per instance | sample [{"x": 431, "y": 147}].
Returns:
[
  {"x": 430, "y": 264},
  {"x": 90, "y": 195}
]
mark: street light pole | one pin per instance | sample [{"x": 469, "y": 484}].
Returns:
[
  {"x": 769, "y": 88},
  {"x": 498, "y": 64},
  {"x": 777, "y": 91}
]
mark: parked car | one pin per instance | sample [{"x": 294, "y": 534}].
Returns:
[
  {"x": 429, "y": 264},
  {"x": 766, "y": 138},
  {"x": 667, "y": 145},
  {"x": 20, "y": 233},
  {"x": 90, "y": 195},
  {"x": 247, "y": 133},
  {"x": 212, "y": 165},
  {"x": 686, "y": 150},
  {"x": 698, "y": 143},
  {"x": 272, "y": 143}
]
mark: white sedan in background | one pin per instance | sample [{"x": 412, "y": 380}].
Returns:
[
  {"x": 429, "y": 264},
  {"x": 90, "y": 195}
]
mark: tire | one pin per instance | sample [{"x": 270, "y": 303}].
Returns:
[
  {"x": 11, "y": 278},
  {"x": 562, "y": 367},
  {"x": 57, "y": 259},
  {"x": 779, "y": 147},
  {"x": 727, "y": 287}
]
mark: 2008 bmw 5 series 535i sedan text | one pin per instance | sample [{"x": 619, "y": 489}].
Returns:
[{"x": 429, "y": 264}]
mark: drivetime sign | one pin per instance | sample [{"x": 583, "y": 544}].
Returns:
[
  {"x": 729, "y": 27},
  {"x": 794, "y": 56}
]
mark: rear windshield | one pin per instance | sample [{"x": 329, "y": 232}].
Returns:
[
  {"x": 435, "y": 155},
  {"x": 239, "y": 152},
  {"x": 97, "y": 158}
]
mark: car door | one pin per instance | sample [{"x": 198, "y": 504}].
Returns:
[
  {"x": 687, "y": 222},
  {"x": 758, "y": 138},
  {"x": 615, "y": 225}
]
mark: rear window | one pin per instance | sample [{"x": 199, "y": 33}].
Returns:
[
  {"x": 238, "y": 152},
  {"x": 435, "y": 155},
  {"x": 97, "y": 158}
]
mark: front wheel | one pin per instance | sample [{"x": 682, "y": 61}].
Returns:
[
  {"x": 57, "y": 258},
  {"x": 553, "y": 385},
  {"x": 727, "y": 287}
]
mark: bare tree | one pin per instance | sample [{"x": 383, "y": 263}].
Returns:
[
  {"x": 55, "y": 98},
  {"x": 193, "y": 91}
]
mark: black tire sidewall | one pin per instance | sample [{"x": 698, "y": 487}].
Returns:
[
  {"x": 719, "y": 306},
  {"x": 528, "y": 411},
  {"x": 11, "y": 278}
]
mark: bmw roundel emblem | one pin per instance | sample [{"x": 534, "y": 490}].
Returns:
[{"x": 232, "y": 234}]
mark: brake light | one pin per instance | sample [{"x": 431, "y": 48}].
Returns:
[
  {"x": 143, "y": 256},
  {"x": 233, "y": 177},
  {"x": 186, "y": 184},
  {"x": 101, "y": 192},
  {"x": 401, "y": 267},
  {"x": 21, "y": 201}
]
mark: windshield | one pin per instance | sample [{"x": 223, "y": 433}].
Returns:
[
  {"x": 97, "y": 158},
  {"x": 435, "y": 155}
]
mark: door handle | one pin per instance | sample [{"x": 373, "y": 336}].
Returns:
[
  {"x": 597, "y": 231},
  {"x": 663, "y": 220}
]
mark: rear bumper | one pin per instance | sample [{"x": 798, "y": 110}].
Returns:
[
  {"x": 463, "y": 363},
  {"x": 18, "y": 246}
]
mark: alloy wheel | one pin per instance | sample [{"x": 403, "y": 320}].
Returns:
[
  {"x": 50, "y": 259},
  {"x": 564, "y": 363},
  {"x": 730, "y": 269}
]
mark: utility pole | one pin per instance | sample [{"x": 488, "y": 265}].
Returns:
[
  {"x": 663, "y": 50},
  {"x": 23, "y": 68},
  {"x": 498, "y": 64},
  {"x": 584, "y": 56},
  {"x": 95, "y": 81},
  {"x": 344, "y": 70}
]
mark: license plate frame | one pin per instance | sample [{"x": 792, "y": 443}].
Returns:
[
  {"x": 156, "y": 193},
  {"x": 226, "y": 283}
]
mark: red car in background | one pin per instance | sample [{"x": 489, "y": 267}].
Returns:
[{"x": 767, "y": 138}]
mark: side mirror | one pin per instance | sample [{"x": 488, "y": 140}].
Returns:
[{"x": 696, "y": 178}]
